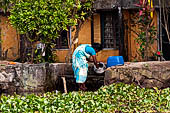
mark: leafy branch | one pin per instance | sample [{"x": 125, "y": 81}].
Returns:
[{"x": 45, "y": 20}]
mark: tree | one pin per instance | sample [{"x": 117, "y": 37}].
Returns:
[{"x": 44, "y": 20}]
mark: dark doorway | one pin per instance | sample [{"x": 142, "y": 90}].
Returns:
[
  {"x": 0, "y": 46},
  {"x": 165, "y": 42}
]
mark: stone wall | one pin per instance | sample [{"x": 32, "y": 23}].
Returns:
[
  {"x": 144, "y": 74},
  {"x": 26, "y": 77},
  {"x": 18, "y": 77}
]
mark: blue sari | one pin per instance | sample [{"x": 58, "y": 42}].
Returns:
[{"x": 80, "y": 64}]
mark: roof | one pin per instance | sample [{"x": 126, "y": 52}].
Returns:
[{"x": 125, "y": 4}]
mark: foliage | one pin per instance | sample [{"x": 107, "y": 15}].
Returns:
[
  {"x": 44, "y": 20},
  {"x": 147, "y": 32},
  {"x": 4, "y": 5},
  {"x": 114, "y": 98},
  {"x": 159, "y": 53}
]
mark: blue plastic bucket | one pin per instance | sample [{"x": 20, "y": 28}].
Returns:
[{"x": 115, "y": 60}]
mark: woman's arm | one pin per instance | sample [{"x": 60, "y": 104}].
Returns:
[
  {"x": 95, "y": 61},
  {"x": 90, "y": 59}
]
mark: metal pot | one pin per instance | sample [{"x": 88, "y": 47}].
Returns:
[{"x": 101, "y": 68}]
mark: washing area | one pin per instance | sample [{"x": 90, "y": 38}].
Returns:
[{"x": 95, "y": 78}]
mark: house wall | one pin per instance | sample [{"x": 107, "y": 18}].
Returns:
[
  {"x": 10, "y": 40},
  {"x": 85, "y": 33},
  {"x": 60, "y": 55},
  {"x": 130, "y": 36},
  {"x": 97, "y": 28}
]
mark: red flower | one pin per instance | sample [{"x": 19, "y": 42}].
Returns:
[
  {"x": 140, "y": 13},
  {"x": 158, "y": 53}
]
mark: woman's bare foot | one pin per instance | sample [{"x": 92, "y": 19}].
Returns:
[{"x": 82, "y": 87}]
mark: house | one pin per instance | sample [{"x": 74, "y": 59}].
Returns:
[{"x": 110, "y": 25}]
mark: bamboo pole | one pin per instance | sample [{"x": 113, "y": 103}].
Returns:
[{"x": 64, "y": 83}]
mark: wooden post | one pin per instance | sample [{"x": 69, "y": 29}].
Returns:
[{"x": 64, "y": 83}]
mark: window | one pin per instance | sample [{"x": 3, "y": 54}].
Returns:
[
  {"x": 62, "y": 41},
  {"x": 110, "y": 29}
]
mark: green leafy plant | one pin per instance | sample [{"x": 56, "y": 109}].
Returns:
[
  {"x": 118, "y": 97},
  {"x": 146, "y": 34},
  {"x": 44, "y": 20},
  {"x": 4, "y": 5}
]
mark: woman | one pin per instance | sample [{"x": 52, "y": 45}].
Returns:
[{"x": 80, "y": 58}]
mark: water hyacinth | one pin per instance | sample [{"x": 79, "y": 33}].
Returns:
[{"x": 114, "y": 98}]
